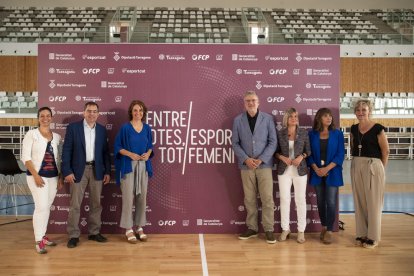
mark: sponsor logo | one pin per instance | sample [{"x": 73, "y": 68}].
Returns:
[
  {"x": 209, "y": 222},
  {"x": 171, "y": 57},
  {"x": 94, "y": 71},
  {"x": 58, "y": 222},
  {"x": 116, "y": 56},
  {"x": 83, "y": 222},
  {"x": 109, "y": 223},
  {"x": 296, "y": 71},
  {"x": 57, "y": 98},
  {"x": 133, "y": 71},
  {"x": 63, "y": 208},
  {"x": 241, "y": 208},
  {"x": 271, "y": 58},
  {"x": 275, "y": 99},
  {"x": 200, "y": 57},
  {"x": 93, "y": 57},
  {"x": 239, "y": 57},
  {"x": 275, "y": 85},
  {"x": 322, "y": 86},
  {"x": 219, "y": 57},
  {"x": 52, "y": 84},
  {"x": 113, "y": 84},
  {"x": 186, "y": 222},
  {"x": 62, "y": 71},
  {"x": 63, "y": 57},
  {"x": 87, "y": 208},
  {"x": 234, "y": 222},
  {"x": 108, "y": 126},
  {"x": 88, "y": 99},
  {"x": 299, "y": 99},
  {"x": 111, "y": 71},
  {"x": 166, "y": 222},
  {"x": 298, "y": 57},
  {"x": 112, "y": 208},
  {"x": 277, "y": 71},
  {"x": 318, "y": 72},
  {"x": 249, "y": 72},
  {"x": 317, "y": 58},
  {"x": 118, "y": 99}
]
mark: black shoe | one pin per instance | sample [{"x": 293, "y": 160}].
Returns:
[
  {"x": 98, "y": 237},
  {"x": 73, "y": 242},
  {"x": 270, "y": 237},
  {"x": 248, "y": 234}
]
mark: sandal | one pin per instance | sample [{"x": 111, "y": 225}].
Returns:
[
  {"x": 141, "y": 235},
  {"x": 130, "y": 236}
]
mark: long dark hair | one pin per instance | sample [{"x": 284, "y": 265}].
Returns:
[{"x": 317, "y": 122}]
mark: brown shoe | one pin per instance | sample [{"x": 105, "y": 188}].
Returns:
[
  {"x": 324, "y": 229},
  {"x": 327, "y": 239}
]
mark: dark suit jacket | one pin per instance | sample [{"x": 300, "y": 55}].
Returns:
[
  {"x": 301, "y": 146},
  {"x": 74, "y": 152}
]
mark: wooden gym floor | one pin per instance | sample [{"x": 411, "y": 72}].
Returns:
[{"x": 211, "y": 254}]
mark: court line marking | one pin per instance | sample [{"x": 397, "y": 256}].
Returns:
[{"x": 203, "y": 255}]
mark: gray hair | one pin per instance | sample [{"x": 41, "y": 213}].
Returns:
[{"x": 250, "y": 93}]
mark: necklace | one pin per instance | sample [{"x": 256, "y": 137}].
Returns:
[{"x": 360, "y": 142}]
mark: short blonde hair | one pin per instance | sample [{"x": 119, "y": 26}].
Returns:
[
  {"x": 362, "y": 101},
  {"x": 288, "y": 113}
]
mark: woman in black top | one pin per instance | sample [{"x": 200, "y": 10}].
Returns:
[{"x": 370, "y": 152}]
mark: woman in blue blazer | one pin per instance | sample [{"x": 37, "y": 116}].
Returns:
[{"x": 328, "y": 152}]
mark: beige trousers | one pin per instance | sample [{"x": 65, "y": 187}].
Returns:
[
  {"x": 368, "y": 186},
  {"x": 254, "y": 181}
]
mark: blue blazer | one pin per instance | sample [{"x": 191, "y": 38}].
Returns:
[
  {"x": 335, "y": 153},
  {"x": 261, "y": 144},
  {"x": 74, "y": 153}
]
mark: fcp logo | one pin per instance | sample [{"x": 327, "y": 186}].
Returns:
[{"x": 200, "y": 57}]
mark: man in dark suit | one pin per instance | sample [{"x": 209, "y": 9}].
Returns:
[{"x": 86, "y": 162}]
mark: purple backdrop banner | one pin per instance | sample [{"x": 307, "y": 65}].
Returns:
[{"x": 193, "y": 93}]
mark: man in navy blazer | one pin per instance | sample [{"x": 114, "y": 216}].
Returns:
[
  {"x": 254, "y": 143},
  {"x": 86, "y": 162}
]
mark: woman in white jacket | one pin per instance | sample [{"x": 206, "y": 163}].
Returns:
[{"x": 41, "y": 157}]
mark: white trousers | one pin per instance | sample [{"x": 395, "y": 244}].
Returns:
[
  {"x": 43, "y": 198},
  {"x": 299, "y": 183}
]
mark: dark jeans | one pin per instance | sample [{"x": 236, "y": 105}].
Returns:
[{"x": 327, "y": 198}]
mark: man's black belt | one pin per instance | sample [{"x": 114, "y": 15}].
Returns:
[{"x": 90, "y": 163}]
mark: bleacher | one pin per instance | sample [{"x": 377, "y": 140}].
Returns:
[
  {"x": 18, "y": 102},
  {"x": 206, "y": 25}
]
